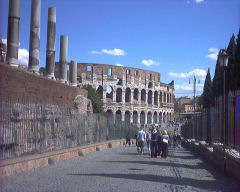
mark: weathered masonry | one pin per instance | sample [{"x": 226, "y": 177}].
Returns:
[{"x": 131, "y": 95}]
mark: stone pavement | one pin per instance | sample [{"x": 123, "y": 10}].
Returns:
[{"x": 121, "y": 169}]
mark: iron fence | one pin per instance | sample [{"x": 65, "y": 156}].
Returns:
[
  {"x": 208, "y": 126},
  {"x": 28, "y": 128}
]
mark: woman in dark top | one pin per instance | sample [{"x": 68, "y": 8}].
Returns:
[{"x": 159, "y": 143}]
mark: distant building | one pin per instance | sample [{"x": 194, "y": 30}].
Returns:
[{"x": 185, "y": 105}]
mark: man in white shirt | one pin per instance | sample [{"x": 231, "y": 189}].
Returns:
[{"x": 141, "y": 139}]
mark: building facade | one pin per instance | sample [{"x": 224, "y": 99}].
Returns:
[{"x": 129, "y": 94}]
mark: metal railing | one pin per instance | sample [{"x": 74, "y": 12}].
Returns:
[
  {"x": 208, "y": 126},
  {"x": 28, "y": 128}
]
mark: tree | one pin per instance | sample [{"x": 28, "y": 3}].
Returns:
[
  {"x": 207, "y": 96},
  {"x": 218, "y": 81},
  {"x": 231, "y": 74},
  {"x": 237, "y": 60},
  {"x": 95, "y": 98}
]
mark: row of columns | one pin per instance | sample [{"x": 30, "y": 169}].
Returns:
[
  {"x": 168, "y": 116},
  {"x": 139, "y": 101},
  {"x": 34, "y": 43}
]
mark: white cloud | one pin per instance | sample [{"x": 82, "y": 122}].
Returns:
[
  {"x": 96, "y": 52},
  {"x": 23, "y": 54},
  {"x": 213, "y": 53},
  {"x": 150, "y": 62},
  {"x": 115, "y": 52},
  {"x": 199, "y": 1},
  {"x": 199, "y": 73},
  {"x": 4, "y": 41},
  {"x": 187, "y": 89},
  {"x": 119, "y": 64}
]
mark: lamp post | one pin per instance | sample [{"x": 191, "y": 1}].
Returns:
[{"x": 223, "y": 61}]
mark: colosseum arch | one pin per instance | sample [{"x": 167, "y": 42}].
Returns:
[
  {"x": 160, "y": 98},
  {"x": 127, "y": 117},
  {"x": 109, "y": 93},
  {"x": 150, "y": 97},
  {"x": 149, "y": 117},
  {"x": 150, "y": 85},
  {"x": 164, "y": 117},
  {"x": 164, "y": 97},
  {"x": 135, "y": 94},
  {"x": 167, "y": 98},
  {"x": 119, "y": 95},
  {"x": 143, "y": 95},
  {"x": 142, "y": 118},
  {"x": 155, "y": 117},
  {"x": 170, "y": 117},
  {"x": 160, "y": 117},
  {"x": 135, "y": 117},
  {"x": 100, "y": 91},
  {"x": 128, "y": 95},
  {"x": 118, "y": 116},
  {"x": 167, "y": 117},
  {"x": 155, "y": 98}
]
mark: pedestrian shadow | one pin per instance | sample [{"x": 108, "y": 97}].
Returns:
[
  {"x": 216, "y": 185},
  {"x": 160, "y": 163}
]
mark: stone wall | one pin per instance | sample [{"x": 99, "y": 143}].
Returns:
[{"x": 18, "y": 84}]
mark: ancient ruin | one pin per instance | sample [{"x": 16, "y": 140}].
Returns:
[{"x": 129, "y": 94}]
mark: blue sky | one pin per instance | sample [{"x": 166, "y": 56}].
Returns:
[{"x": 174, "y": 37}]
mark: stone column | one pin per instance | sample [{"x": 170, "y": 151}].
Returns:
[
  {"x": 138, "y": 118},
  {"x": 132, "y": 93},
  {"x": 131, "y": 117},
  {"x": 34, "y": 43},
  {"x": 123, "y": 115},
  {"x": 73, "y": 73},
  {"x": 123, "y": 96},
  {"x": 51, "y": 36},
  {"x": 63, "y": 59},
  {"x": 146, "y": 98},
  {"x": 13, "y": 32},
  {"x": 104, "y": 95},
  {"x": 114, "y": 95}
]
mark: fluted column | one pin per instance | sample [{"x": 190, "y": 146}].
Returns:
[
  {"x": 51, "y": 38},
  {"x": 73, "y": 73},
  {"x": 13, "y": 32},
  {"x": 34, "y": 43},
  {"x": 63, "y": 58}
]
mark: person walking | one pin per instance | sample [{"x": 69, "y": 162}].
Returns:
[
  {"x": 154, "y": 138},
  {"x": 159, "y": 143},
  {"x": 141, "y": 139},
  {"x": 148, "y": 140},
  {"x": 175, "y": 139},
  {"x": 165, "y": 140},
  {"x": 128, "y": 140}
]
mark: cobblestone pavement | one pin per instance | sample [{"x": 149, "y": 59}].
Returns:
[{"x": 121, "y": 169}]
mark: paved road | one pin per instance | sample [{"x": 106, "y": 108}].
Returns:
[{"x": 121, "y": 169}]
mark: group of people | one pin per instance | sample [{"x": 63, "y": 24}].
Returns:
[{"x": 157, "y": 141}]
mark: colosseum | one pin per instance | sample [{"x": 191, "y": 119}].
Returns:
[{"x": 132, "y": 95}]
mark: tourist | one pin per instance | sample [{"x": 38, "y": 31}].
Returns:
[
  {"x": 154, "y": 139},
  {"x": 175, "y": 139},
  {"x": 128, "y": 140},
  {"x": 159, "y": 143},
  {"x": 148, "y": 140},
  {"x": 165, "y": 140},
  {"x": 141, "y": 139}
]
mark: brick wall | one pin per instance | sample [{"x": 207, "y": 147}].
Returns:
[{"x": 19, "y": 84}]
